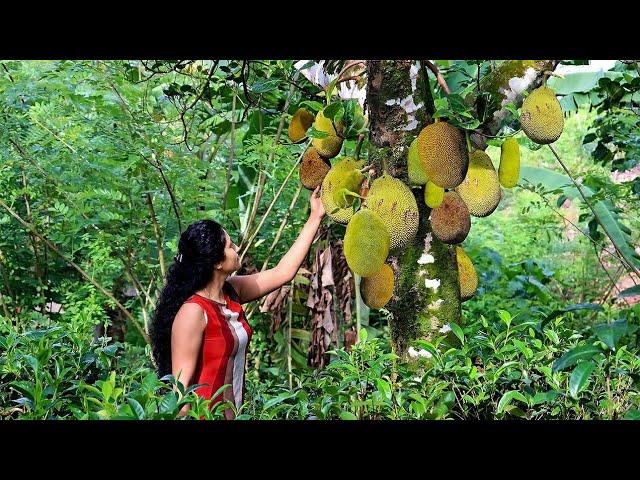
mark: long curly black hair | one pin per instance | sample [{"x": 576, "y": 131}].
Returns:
[{"x": 201, "y": 246}]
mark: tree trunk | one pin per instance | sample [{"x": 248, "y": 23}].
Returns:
[{"x": 427, "y": 293}]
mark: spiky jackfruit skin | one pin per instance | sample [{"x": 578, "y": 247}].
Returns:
[
  {"x": 313, "y": 168},
  {"x": 377, "y": 289},
  {"x": 433, "y": 195},
  {"x": 300, "y": 123},
  {"x": 480, "y": 190},
  {"x": 334, "y": 180},
  {"x": 366, "y": 243},
  {"x": 329, "y": 146},
  {"x": 443, "y": 152},
  {"x": 417, "y": 173},
  {"x": 541, "y": 116},
  {"x": 509, "y": 169},
  {"x": 467, "y": 275},
  {"x": 451, "y": 222},
  {"x": 394, "y": 202}
]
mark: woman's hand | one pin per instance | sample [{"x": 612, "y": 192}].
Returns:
[{"x": 317, "y": 208}]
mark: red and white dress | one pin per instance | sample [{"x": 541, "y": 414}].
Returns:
[{"x": 223, "y": 352}]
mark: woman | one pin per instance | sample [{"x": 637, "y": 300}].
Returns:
[{"x": 199, "y": 332}]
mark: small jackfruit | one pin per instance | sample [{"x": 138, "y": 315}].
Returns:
[
  {"x": 340, "y": 174},
  {"x": 433, "y": 195},
  {"x": 443, "y": 152},
  {"x": 300, "y": 123},
  {"x": 366, "y": 243},
  {"x": 393, "y": 200},
  {"x": 313, "y": 169},
  {"x": 480, "y": 190},
  {"x": 467, "y": 275},
  {"x": 417, "y": 173},
  {"x": 378, "y": 288},
  {"x": 451, "y": 222},
  {"x": 509, "y": 169},
  {"x": 328, "y": 146},
  {"x": 541, "y": 116}
]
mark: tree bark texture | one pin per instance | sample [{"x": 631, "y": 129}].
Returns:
[{"x": 427, "y": 293}]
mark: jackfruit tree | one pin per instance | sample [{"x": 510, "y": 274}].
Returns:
[{"x": 429, "y": 173}]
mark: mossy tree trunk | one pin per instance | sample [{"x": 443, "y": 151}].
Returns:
[{"x": 427, "y": 293}]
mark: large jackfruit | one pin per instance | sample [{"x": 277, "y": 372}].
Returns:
[
  {"x": 480, "y": 190},
  {"x": 366, "y": 243},
  {"x": 541, "y": 116},
  {"x": 509, "y": 169},
  {"x": 328, "y": 146},
  {"x": 433, "y": 195},
  {"x": 313, "y": 168},
  {"x": 300, "y": 123},
  {"x": 340, "y": 176},
  {"x": 377, "y": 289},
  {"x": 394, "y": 202},
  {"x": 467, "y": 275},
  {"x": 443, "y": 151},
  {"x": 417, "y": 173},
  {"x": 451, "y": 222}
]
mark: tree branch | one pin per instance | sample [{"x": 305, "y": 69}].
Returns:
[{"x": 441, "y": 81}]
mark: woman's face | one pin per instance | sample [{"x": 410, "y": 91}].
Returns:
[{"x": 231, "y": 261}]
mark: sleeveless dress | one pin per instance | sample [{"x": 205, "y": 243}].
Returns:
[{"x": 222, "y": 356}]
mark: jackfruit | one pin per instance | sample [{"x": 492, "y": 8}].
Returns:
[
  {"x": 417, "y": 173},
  {"x": 467, "y": 275},
  {"x": 340, "y": 174},
  {"x": 480, "y": 190},
  {"x": 313, "y": 168},
  {"x": 328, "y": 146},
  {"x": 378, "y": 288},
  {"x": 509, "y": 169},
  {"x": 451, "y": 222},
  {"x": 351, "y": 183},
  {"x": 433, "y": 195},
  {"x": 300, "y": 123},
  {"x": 541, "y": 116},
  {"x": 443, "y": 152},
  {"x": 366, "y": 243},
  {"x": 394, "y": 202}
]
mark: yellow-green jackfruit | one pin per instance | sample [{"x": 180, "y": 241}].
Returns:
[
  {"x": 541, "y": 116},
  {"x": 480, "y": 190},
  {"x": 300, "y": 123},
  {"x": 351, "y": 183},
  {"x": 417, "y": 173},
  {"x": 467, "y": 275},
  {"x": 509, "y": 170},
  {"x": 451, "y": 222},
  {"x": 313, "y": 169},
  {"x": 378, "y": 288},
  {"x": 433, "y": 195},
  {"x": 328, "y": 146},
  {"x": 443, "y": 151},
  {"x": 394, "y": 202},
  {"x": 366, "y": 243},
  {"x": 340, "y": 174}
]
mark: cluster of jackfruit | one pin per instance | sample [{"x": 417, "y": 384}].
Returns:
[{"x": 315, "y": 162}]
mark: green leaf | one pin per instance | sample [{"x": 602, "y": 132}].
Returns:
[
  {"x": 571, "y": 308},
  {"x": 630, "y": 292},
  {"x": 457, "y": 331},
  {"x": 265, "y": 85},
  {"x": 136, "y": 407},
  {"x": 575, "y": 82},
  {"x": 633, "y": 414},
  {"x": 363, "y": 335},
  {"x": 168, "y": 404},
  {"x": 344, "y": 415},
  {"x": 580, "y": 377},
  {"x": 573, "y": 356},
  {"x": 611, "y": 333},
  {"x": 505, "y": 317},
  {"x": 333, "y": 110},
  {"x": 508, "y": 397}
]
